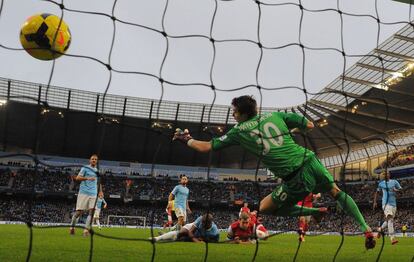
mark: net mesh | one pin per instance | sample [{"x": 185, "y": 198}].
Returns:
[{"x": 107, "y": 105}]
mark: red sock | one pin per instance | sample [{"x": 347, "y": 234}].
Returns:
[
  {"x": 305, "y": 227},
  {"x": 302, "y": 225}
]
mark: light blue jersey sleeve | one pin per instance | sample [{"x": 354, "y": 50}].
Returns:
[
  {"x": 174, "y": 192},
  {"x": 214, "y": 233},
  {"x": 198, "y": 222},
  {"x": 397, "y": 185},
  {"x": 82, "y": 172}
]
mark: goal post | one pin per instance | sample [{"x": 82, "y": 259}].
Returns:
[{"x": 127, "y": 220}]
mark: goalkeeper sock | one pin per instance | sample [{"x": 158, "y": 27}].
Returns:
[
  {"x": 348, "y": 205},
  {"x": 297, "y": 211}
]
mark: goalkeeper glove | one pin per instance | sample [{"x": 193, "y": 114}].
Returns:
[{"x": 182, "y": 136}]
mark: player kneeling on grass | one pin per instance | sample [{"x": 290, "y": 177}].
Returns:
[
  {"x": 99, "y": 204},
  {"x": 242, "y": 231},
  {"x": 269, "y": 137},
  {"x": 202, "y": 229}
]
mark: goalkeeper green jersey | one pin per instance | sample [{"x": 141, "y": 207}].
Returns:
[{"x": 268, "y": 136}]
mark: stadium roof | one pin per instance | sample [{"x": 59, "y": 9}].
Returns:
[{"x": 371, "y": 102}]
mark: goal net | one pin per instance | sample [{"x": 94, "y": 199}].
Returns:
[{"x": 120, "y": 220}]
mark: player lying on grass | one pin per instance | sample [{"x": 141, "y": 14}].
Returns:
[
  {"x": 261, "y": 231},
  {"x": 203, "y": 229},
  {"x": 268, "y": 136},
  {"x": 242, "y": 231}
]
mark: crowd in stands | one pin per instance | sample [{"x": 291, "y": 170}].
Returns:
[
  {"x": 400, "y": 158},
  {"x": 158, "y": 188},
  {"x": 61, "y": 212},
  {"x": 15, "y": 177}
]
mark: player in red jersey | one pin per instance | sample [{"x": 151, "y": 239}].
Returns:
[
  {"x": 261, "y": 231},
  {"x": 304, "y": 220},
  {"x": 244, "y": 209},
  {"x": 241, "y": 231},
  {"x": 169, "y": 210}
]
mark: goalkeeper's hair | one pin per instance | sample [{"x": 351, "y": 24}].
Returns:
[{"x": 245, "y": 105}]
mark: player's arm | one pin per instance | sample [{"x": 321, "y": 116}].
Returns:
[
  {"x": 186, "y": 138},
  {"x": 191, "y": 234},
  {"x": 397, "y": 186},
  {"x": 81, "y": 176},
  {"x": 188, "y": 208},
  {"x": 104, "y": 202},
  {"x": 230, "y": 234},
  {"x": 206, "y": 146},
  {"x": 297, "y": 122},
  {"x": 170, "y": 198}
]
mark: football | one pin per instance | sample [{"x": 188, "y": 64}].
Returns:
[{"x": 45, "y": 36}]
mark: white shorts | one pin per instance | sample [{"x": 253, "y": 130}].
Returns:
[
  {"x": 85, "y": 202},
  {"x": 188, "y": 226},
  {"x": 389, "y": 210},
  {"x": 179, "y": 212},
  {"x": 97, "y": 213}
]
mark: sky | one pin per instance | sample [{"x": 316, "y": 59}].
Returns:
[{"x": 189, "y": 59}]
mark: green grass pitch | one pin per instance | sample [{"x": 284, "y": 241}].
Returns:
[{"x": 55, "y": 244}]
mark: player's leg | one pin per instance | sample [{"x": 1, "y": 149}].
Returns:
[
  {"x": 174, "y": 235},
  {"x": 282, "y": 202},
  {"x": 181, "y": 218},
  {"x": 303, "y": 227},
  {"x": 261, "y": 232},
  {"x": 347, "y": 204},
  {"x": 96, "y": 216},
  {"x": 91, "y": 207},
  {"x": 81, "y": 204},
  {"x": 325, "y": 183},
  {"x": 169, "y": 222},
  {"x": 74, "y": 220},
  {"x": 389, "y": 212}
]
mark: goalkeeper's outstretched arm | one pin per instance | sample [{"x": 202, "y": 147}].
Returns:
[{"x": 185, "y": 137}]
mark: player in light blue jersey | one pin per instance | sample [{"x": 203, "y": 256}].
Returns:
[
  {"x": 180, "y": 195},
  {"x": 389, "y": 187},
  {"x": 202, "y": 229},
  {"x": 88, "y": 190},
  {"x": 100, "y": 203}
]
